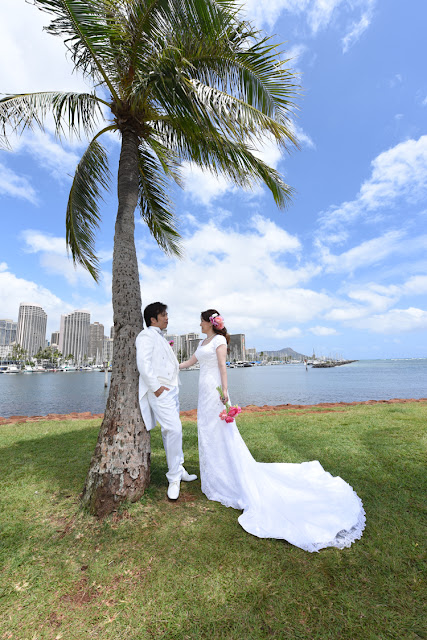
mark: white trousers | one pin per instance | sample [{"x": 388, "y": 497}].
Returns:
[{"x": 166, "y": 413}]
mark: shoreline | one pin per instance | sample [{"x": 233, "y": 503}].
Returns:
[{"x": 191, "y": 415}]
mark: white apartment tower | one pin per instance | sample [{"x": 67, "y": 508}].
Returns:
[
  {"x": 54, "y": 340},
  {"x": 74, "y": 335},
  {"x": 108, "y": 350},
  {"x": 96, "y": 342},
  {"x": 31, "y": 330},
  {"x": 7, "y": 332}
]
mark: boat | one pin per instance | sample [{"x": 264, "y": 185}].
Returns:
[
  {"x": 28, "y": 369},
  {"x": 12, "y": 368}
]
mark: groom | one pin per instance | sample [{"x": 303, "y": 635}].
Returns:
[{"x": 158, "y": 392}]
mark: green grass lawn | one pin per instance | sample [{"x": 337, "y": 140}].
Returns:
[{"x": 187, "y": 570}]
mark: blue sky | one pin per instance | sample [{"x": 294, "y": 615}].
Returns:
[{"x": 342, "y": 271}]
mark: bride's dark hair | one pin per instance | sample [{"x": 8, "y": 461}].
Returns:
[{"x": 206, "y": 317}]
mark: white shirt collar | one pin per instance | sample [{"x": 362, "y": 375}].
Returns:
[{"x": 157, "y": 329}]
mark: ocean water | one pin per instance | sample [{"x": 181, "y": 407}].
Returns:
[{"x": 43, "y": 393}]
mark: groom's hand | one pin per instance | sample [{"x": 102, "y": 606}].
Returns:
[{"x": 160, "y": 391}]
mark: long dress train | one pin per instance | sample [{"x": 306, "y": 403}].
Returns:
[{"x": 300, "y": 503}]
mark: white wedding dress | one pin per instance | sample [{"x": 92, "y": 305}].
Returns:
[{"x": 300, "y": 503}]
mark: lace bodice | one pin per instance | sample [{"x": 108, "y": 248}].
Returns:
[{"x": 206, "y": 353}]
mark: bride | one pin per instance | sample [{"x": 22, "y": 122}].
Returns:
[{"x": 300, "y": 503}]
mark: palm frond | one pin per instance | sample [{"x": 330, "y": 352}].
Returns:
[
  {"x": 76, "y": 113},
  {"x": 82, "y": 216},
  {"x": 235, "y": 160},
  {"x": 225, "y": 79},
  {"x": 255, "y": 74},
  {"x": 155, "y": 206},
  {"x": 169, "y": 160},
  {"x": 239, "y": 117},
  {"x": 93, "y": 32}
]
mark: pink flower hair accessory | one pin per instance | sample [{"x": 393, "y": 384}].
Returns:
[{"x": 216, "y": 321}]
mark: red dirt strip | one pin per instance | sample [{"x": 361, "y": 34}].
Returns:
[{"x": 191, "y": 415}]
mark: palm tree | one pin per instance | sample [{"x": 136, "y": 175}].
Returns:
[{"x": 180, "y": 80}]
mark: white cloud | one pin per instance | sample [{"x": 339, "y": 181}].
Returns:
[
  {"x": 37, "y": 241},
  {"x": 303, "y": 138},
  {"x": 366, "y": 254},
  {"x": 396, "y": 321},
  {"x": 54, "y": 258},
  {"x": 14, "y": 290},
  {"x": 36, "y": 61},
  {"x": 396, "y": 80},
  {"x": 374, "y": 306},
  {"x": 323, "y": 331},
  {"x": 58, "y": 159},
  {"x": 252, "y": 277},
  {"x": 296, "y": 52},
  {"x": 294, "y": 332},
  {"x": 319, "y": 14},
  {"x": 105, "y": 255},
  {"x": 16, "y": 186},
  {"x": 400, "y": 172},
  {"x": 416, "y": 285},
  {"x": 267, "y": 13},
  {"x": 3, "y": 266},
  {"x": 346, "y": 313},
  {"x": 358, "y": 28},
  {"x": 203, "y": 186}
]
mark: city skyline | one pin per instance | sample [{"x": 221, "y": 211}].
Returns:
[{"x": 82, "y": 338}]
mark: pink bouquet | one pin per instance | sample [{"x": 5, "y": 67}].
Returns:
[{"x": 230, "y": 412}]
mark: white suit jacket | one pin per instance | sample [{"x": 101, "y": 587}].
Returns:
[{"x": 157, "y": 366}]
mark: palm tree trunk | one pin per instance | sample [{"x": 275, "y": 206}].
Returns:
[{"x": 120, "y": 466}]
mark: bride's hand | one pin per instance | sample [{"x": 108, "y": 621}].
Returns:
[{"x": 224, "y": 398}]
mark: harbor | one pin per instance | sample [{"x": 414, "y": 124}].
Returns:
[{"x": 82, "y": 391}]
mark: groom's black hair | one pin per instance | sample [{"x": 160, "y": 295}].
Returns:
[{"x": 152, "y": 311}]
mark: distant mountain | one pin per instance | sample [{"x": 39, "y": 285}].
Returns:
[{"x": 285, "y": 352}]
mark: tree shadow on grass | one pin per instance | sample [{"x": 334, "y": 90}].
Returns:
[{"x": 61, "y": 460}]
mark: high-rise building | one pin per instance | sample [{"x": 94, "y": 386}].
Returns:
[
  {"x": 31, "y": 329},
  {"x": 54, "y": 340},
  {"x": 7, "y": 332},
  {"x": 96, "y": 342},
  {"x": 107, "y": 355},
  {"x": 251, "y": 354},
  {"x": 74, "y": 335},
  {"x": 176, "y": 343},
  {"x": 192, "y": 346},
  {"x": 186, "y": 347},
  {"x": 182, "y": 348},
  {"x": 112, "y": 332},
  {"x": 5, "y": 351},
  {"x": 236, "y": 347}
]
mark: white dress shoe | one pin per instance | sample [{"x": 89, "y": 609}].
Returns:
[
  {"x": 173, "y": 490},
  {"x": 188, "y": 477}
]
